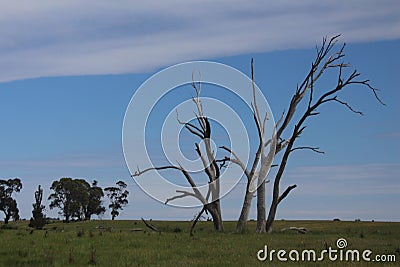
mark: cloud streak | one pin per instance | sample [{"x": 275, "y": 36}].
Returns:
[{"x": 78, "y": 38}]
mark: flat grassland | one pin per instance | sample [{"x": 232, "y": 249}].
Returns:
[{"x": 131, "y": 243}]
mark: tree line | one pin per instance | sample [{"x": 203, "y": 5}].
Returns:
[{"x": 76, "y": 200}]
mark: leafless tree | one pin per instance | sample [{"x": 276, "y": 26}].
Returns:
[
  {"x": 203, "y": 131},
  {"x": 328, "y": 59},
  {"x": 259, "y": 167}
]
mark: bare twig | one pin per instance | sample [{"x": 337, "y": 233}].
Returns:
[
  {"x": 236, "y": 160},
  {"x": 315, "y": 149},
  {"x": 184, "y": 194}
]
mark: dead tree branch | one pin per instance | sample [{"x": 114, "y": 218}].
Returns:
[
  {"x": 196, "y": 220},
  {"x": 315, "y": 149},
  {"x": 286, "y": 192},
  {"x": 150, "y": 226}
]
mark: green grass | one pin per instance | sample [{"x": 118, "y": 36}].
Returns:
[{"x": 114, "y": 243}]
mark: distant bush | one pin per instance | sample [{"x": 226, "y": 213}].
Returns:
[
  {"x": 177, "y": 230},
  {"x": 8, "y": 227},
  {"x": 38, "y": 220}
]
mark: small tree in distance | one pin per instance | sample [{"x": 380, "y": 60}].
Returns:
[
  {"x": 118, "y": 198},
  {"x": 8, "y": 205},
  {"x": 38, "y": 220}
]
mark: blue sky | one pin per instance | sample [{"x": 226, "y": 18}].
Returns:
[{"x": 69, "y": 69}]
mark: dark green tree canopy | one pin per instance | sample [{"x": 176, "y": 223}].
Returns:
[
  {"x": 118, "y": 198},
  {"x": 94, "y": 206},
  {"x": 8, "y": 204},
  {"x": 38, "y": 219},
  {"x": 76, "y": 199}
]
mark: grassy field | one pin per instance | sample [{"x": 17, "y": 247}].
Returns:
[{"x": 119, "y": 243}]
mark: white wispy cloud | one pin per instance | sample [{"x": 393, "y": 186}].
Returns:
[{"x": 56, "y": 38}]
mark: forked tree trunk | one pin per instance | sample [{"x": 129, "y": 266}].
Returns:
[{"x": 215, "y": 206}]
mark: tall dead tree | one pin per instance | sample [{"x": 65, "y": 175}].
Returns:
[
  {"x": 259, "y": 167},
  {"x": 203, "y": 131},
  {"x": 327, "y": 60}
]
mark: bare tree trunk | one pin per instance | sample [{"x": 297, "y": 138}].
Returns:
[
  {"x": 266, "y": 162},
  {"x": 275, "y": 194},
  {"x": 261, "y": 207},
  {"x": 7, "y": 218},
  {"x": 215, "y": 210},
  {"x": 271, "y": 217},
  {"x": 244, "y": 214}
]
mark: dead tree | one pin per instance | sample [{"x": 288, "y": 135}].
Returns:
[
  {"x": 211, "y": 168},
  {"x": 327, "y": 59},
  {"x": 259, "y": 167}
]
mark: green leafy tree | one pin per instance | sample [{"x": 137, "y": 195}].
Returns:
[
  {"x": 62, "y": 197},
  {"x": 80, "y": 198},
  {"x": 8, "y": 204},
  {"x": 38, "y": 220},
  {"x": 76, "y": 199},
  {"x": 118, "y": 198},
  {"x": 94, "y": 206}
]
